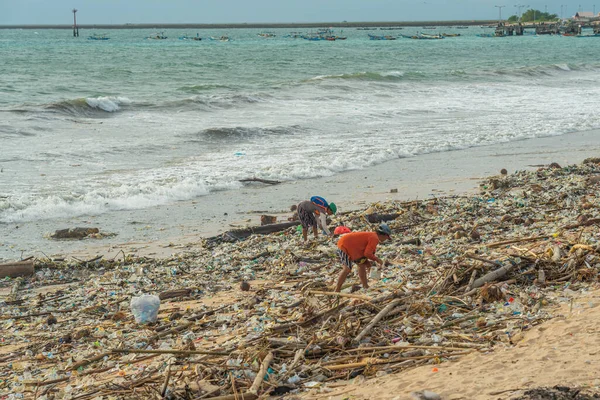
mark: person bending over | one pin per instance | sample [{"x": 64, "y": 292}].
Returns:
[
  {"x": 359, "y": 248},
  {"x": 313, "y": 213}
]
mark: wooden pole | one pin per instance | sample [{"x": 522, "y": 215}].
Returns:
[
  {"x": 377, "y": 318},
  {"x": 261, "y": 374},
  {"x": 338, "y": 294}
]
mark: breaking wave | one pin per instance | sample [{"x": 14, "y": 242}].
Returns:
[
  {"x": 89, "y": 106},
  {"x": 244, "y": 133},
  {"x": 371, "y": 76}
]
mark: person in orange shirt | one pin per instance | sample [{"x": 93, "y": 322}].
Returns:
[{"x": 359, "y": 248}]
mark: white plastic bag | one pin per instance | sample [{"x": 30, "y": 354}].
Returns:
[{"x": 145, "y": 308}]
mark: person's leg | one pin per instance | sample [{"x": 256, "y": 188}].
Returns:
[
  {"x": 362, "y": 274},
  {"x": 315, "y": 231},
  {"x": 342, "y": 278},
  {"x": 304, "y": 233}
]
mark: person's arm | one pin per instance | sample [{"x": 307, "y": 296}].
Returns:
[
  {"x": 370, "y": 251},
  {"x": 323, "y": 222}
]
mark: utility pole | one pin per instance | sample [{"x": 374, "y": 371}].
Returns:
[
  {"x": 499, "y": 12},
  {"x": 75, "y": 27}
]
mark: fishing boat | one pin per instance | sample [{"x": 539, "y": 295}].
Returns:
[
  {"x": 391, "y": 28},
  {"x": 450, "y": 34},
  {"x": 157, "y": 36},
  {"x": 266, "y": 35},
  {"x": 462, "y": 27},
  {"x": 313, "y": 37},
  {"x": 592, "y": 35},
  {"x": 430, "y": 27},
  {"x": 186, "y": 37},
  {"x": 423, "y": 36},
  {"x": 223, "y": 38},
  {"x": 429, "y": 36},
  {"x": 95, "y": 36},
  {"x": 381, "y": 37}
]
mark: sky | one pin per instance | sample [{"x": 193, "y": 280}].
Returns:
[{"x": 13, "y": 12}]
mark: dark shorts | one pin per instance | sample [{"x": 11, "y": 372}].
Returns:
[
  {"x": 307, "y": 218},
  {"x": 346, "y": 261}
]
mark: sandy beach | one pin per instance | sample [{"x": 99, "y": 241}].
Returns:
[
  {"x": 497, "y": 297},
  {"x": 165, "y": 230},
  {"x": 560, "y": 352}
]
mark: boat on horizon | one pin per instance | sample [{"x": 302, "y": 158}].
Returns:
[
  {"x": 157, "y": 36},
  {"x": 381, "y": 37},
  {"x": 186, "y": 37},
  {"x": 266, "y": 35},
  {"x": 96, "y": 36},
  {"x": 223, "y": 38}
]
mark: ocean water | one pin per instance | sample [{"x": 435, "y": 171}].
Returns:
[{"x": 92, "y": 127}]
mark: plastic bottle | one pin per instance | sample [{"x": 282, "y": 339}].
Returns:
[{"x": 145, "y": 308}]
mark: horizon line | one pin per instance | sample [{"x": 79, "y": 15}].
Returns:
[{"x": 343, "y": 24}]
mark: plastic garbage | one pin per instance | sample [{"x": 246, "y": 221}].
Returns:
[
  {"x": 145, "y": 308},
  {"x": 375, "y": 273}
]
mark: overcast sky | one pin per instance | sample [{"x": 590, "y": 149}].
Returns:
[{"x": 240, "y": 11}]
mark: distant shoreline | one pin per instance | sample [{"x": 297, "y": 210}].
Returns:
[{"x": 256, "y": 25}]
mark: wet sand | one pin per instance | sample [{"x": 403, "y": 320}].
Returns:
[{"x": 164, "y": 230}]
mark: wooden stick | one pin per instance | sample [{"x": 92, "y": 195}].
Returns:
[
  {"x": 377, "y": 318},
  {"x": 88, "y": 361},
  {"x": 251, "y": 394},
  {"x": 350, "y": 295},
  {"x": 379, "y": 362},
  {"x": 261, "y": 374},
  {"x": 163, "y": 391},
  {"x": 472, "y": 257},
  {"x": 589, "y": 222},
  {"x": 178, "y": 328},
  {"x": 171, "y": 351},
  {"x": 471, "y": 280},
  {"x": 400, "y": 348},
  {"x": 494, "y": 275},
  {"x": 527, "y": 239}
]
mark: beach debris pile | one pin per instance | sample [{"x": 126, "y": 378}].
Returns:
[
  {"x": 557, "y": 393},
  {"x": 256, "y": 314}
]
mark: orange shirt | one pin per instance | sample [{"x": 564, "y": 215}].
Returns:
[{"x": 359, "y": 244}]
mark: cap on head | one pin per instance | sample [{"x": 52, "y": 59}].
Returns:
[
  {"x": 340, "y": 230},
  {"x": 384, "y": 229},
  {"x": 333, "y": 207}
]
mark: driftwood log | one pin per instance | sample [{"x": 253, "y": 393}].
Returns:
[
  {"x": 15, "y": 269},
  {"x": 267, "y": 181},
  {"x": 239, "y": 234},
  {"x": 374, "y": 218},
  {"x": 170, "y": 294},
  {"x": 494, "y": 275}
]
